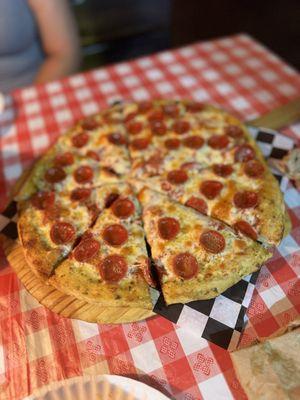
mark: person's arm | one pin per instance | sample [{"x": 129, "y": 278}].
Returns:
[{"x": 59, "y": 38}]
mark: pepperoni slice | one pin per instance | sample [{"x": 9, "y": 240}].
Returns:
[
  {"x": 115, "y": 235},
  {"x": 144, "y": 106},
  {"x": 145, "y": 268},
  {"x": 245, "y": 228},
  {"x": 254, "y": 169},
  {"x": 62, "y": 232},
  {"x": 87, "y": 235},
  {"x": 194, "y": 107},
  {"x": 244, "y": 153},
  {"x": 234, "y": 131},
  {"x": 113, "y": 268},
  {"x": 84, "y": 174},
  {"x": 198, "y": 204},
  {"x": 110, "y": 199},
  {"x": 158, "y": 127},
  {"x": 212, "y": 241},
  {"x": 134, "y": 127},
  {"x": 190, "y": 165},
  {"x": 171, "y": 110},
  {"x": 123, "y": 208},
  {"x": 64, "y": 159},
  {"x": 156, "y": 115},
  {"x": 168, "y": 228},
  {"x": 177, "y": 176},
  {"x": 218, "y": 142},
  {"x": 222, "y": 170},
  {"x": 130, "y": 116},
  {"x": 52, "y": 213},
  {"x": 181, "y": 126},
  {"x": 43, "y": 200},
  {"x": 89, "y": 124},
  {"x": 86, "y": 250},
  {"x": 81, "y": 194},
  {"x": 80, "y": 139},
  {"x": 116, "y": 138},
  {"x": 185, "y": 265},
  {"x": 93, "y": 155},
  {"x": 172, "y": 144},
  {"x": 140, "y": 143},
  {"x": 154, "y": 162},
  {"x": 211, "y": 189},
  {"x": 55, "y": 174},
  {"x": 245, "y": 199},
  {"x": 193, "y": 142}
]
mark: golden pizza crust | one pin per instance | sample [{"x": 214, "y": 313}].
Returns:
[
  {"x": 287, "y": 224},
  {"x": 180, "y": 291},
  {"x": 29, "y": 185},
  {"x": 41, "y": 257},
  {"x": 271, "y": 211},
  {"x": 73, "y": 278},
  {"x": 18, "y": 186}
]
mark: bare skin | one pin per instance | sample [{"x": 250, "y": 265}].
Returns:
[{"x": 59, "y": 38}]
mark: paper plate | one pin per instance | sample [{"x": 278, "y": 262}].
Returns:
[{"x": 102, "y": 387}]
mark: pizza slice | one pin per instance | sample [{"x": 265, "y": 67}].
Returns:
[
  {"x": 196, "y": 257},
  {"x": 50, "y": 223},
  {"x": 63, "y": 171},
  {"x": 244, "y": 195},
  {"x": 110, "y": 265}
]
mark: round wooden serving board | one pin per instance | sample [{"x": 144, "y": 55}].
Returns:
[{"x": 62, "y": 304}]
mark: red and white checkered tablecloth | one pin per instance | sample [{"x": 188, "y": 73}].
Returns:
[{"x": 37, "y": 346}]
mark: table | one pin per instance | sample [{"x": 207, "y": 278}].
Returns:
[{"x": 37, "y": 346}]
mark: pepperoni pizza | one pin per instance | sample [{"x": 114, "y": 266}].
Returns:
[
  {"x": 80, "y": 222},
  {"x": 196, "y": 257},
  {"x": 243, "y": 195},
  {"x": 110, "y": 264},
  {"x": 50, "y": 222}
]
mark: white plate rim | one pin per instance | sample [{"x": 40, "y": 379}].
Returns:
[{"x": 140, "y": 389}]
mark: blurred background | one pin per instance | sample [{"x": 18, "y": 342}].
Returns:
[{"x": 117, "y": 30}]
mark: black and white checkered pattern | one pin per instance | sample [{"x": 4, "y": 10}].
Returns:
[
  {"x": 220, "y": 320},
  {"x": 8, "y": 219}
]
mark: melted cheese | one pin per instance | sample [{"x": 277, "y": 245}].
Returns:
[
  {"x": 192, "y": 224},
  {"x": 134, "y": 249},
  {"x": 221, "y": 207}
]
